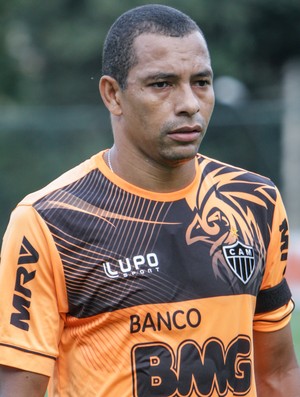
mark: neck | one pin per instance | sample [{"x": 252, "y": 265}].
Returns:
[{"x": 150, "y": 175}]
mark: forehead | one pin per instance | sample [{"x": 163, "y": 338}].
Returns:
[{"x": 164, "y": 53}]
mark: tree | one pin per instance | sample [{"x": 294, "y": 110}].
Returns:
[{"x": 51, "y": 51}]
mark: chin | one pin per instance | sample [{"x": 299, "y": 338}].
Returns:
[{"x": 176, "y": 161}]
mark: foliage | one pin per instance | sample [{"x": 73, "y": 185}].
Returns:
[
  {"x": 50, "y": 55},
  {"x": 51, "y": 51}
]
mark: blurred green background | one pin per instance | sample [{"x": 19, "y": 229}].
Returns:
[{"x": 51, "y": 115}]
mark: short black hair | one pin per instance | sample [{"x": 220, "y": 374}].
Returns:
[{"x": 118, "y": 54}]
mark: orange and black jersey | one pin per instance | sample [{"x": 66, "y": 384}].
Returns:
[{"x": 114, "y": 290}]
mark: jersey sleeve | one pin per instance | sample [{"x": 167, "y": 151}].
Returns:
[
  {"x": 274, "y": 304},
  {"x": 33, "y": 297}
]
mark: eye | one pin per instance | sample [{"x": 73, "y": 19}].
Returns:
[
  {"x": 202, "y": 82},
  {"x": 160, "y": 84}
]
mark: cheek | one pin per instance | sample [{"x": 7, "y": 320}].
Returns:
[
  {"x": 211, "y": 101},
  {"x": 149, "y": 114},
  {"x": 142, "y": 112},
  {"x": 207, "y": 108}
]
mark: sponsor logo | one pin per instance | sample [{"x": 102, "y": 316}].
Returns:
[
  {"x": 240, "y": 258},
  {"x": 22, "y": 296},
  {"x": 138, "y": 265},
  {"x": 211, "y": 369},
  {"x": 179, "y": 319},
  {"x": 284, "y": 240}
]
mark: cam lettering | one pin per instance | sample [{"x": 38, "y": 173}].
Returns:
[
  {"x": 158, "y": 371},
  {"x": 178, "y": 319},
  {"x": 240, "y": 252},
  {"x": 21, "y": 299}
]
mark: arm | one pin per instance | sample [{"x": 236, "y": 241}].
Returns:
[
  {"x": 32, "y": 306},
  {"x": 276, "y": 369},
  {"x": 15, "y": 382}
]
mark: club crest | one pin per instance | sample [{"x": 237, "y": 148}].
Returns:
[{"x": 240, "y": 258}]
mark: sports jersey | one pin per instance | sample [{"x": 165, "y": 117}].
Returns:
[{"x": 112, "y": 290}]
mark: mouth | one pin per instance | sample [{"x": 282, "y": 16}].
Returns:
[{"x": 186, "y": 133}]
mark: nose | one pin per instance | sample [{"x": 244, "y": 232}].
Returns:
[{"x": 187, "y": 102}]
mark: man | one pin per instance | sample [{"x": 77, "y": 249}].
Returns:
[{"x": 149, "y": 270}]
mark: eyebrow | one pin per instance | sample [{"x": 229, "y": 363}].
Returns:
[
  {"x": 204, "y": 73},
  {"x": 163, "y": 76}
]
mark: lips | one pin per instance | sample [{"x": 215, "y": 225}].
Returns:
[{"x": 186, "y": 133}]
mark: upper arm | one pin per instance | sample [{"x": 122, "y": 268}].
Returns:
[
  {"x": 276, "y": 369},
  {"x": 33, "y": 299},
  {"x": 15, "y": 382}
]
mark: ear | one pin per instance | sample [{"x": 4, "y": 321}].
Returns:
[{"x": 110, "y": 93}]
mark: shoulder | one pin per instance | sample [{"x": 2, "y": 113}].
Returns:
[
  {"x": 218, "y": 168},
  {"x": 235, "y": 183},
  {"x": 67, "y": 178}
]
